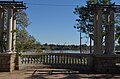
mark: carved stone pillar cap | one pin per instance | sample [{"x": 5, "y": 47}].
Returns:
[{"x": 8, "y": 51}]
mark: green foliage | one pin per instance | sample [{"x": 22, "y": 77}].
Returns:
[
  {"x": 84, "y": 17},
  {"x": 25, "y": 41},
  {"x": 99, "y": 2},
  {"x": 39, "y": 50},
  {"x": 22, "y": 19}
]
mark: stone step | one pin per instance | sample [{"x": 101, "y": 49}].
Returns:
[{"x": 34, "y": 66}]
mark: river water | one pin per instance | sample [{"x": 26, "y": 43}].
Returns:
[{"x": 65, "y": 51}]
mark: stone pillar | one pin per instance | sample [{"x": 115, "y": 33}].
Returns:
[
  {"x": 14, "y": 32},
  {"x": 110, "y": 34},
  {"x": 98, "y": 32},
  {"x": 95, "y": 34},
  {"x": 1, "y": 29},
  {"x": 106, "y": 33},
  {"x": 9, "y": 31}
]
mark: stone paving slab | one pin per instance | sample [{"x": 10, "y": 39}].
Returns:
[{"x": 22, "y": 75}]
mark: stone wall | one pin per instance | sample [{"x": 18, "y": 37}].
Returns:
[
  {"x": 7, "y": 62},
  {"x": 106, "y": 63}
]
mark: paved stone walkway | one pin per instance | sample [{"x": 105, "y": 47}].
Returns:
[{"x": 24, "y": 75}]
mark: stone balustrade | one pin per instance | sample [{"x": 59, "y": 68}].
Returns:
[{"x": 64, "y": 60}]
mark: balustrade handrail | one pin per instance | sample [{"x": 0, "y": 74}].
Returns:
[
  {"x": 57, "y": 59},
  {"x": 36, "y": 53}
]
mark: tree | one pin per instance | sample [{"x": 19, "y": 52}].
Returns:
[
  {"x": 22, "y": 19},
  {"x": 25, "y": 41},
  {"x": 85, "y": 20}
]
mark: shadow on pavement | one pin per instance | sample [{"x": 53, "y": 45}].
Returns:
[{"x": 74, "y": 76}]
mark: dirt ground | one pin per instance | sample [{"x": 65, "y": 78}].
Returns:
[{"x": 23, "y": 74}]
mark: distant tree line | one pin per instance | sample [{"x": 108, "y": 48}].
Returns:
[{"x": 63, "y": 47}]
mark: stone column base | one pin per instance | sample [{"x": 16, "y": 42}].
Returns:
[
  {"x": 7, "y": 62},
  {"x": 105, "y": 63}
]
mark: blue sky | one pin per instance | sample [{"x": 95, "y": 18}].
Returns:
[{"x": 54, "y": 24}]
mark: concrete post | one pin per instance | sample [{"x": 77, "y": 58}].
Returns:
[
  {"x": 98, "y": 32},
  {"x": 1, "y": 29},
  {"x": 111, "y": 33},
  {"x": 95, "y": 32},
  {"x": 14, "y": 31},
  {"x": 107, "y": 33},
  {"x": 9, "y": 31}
]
